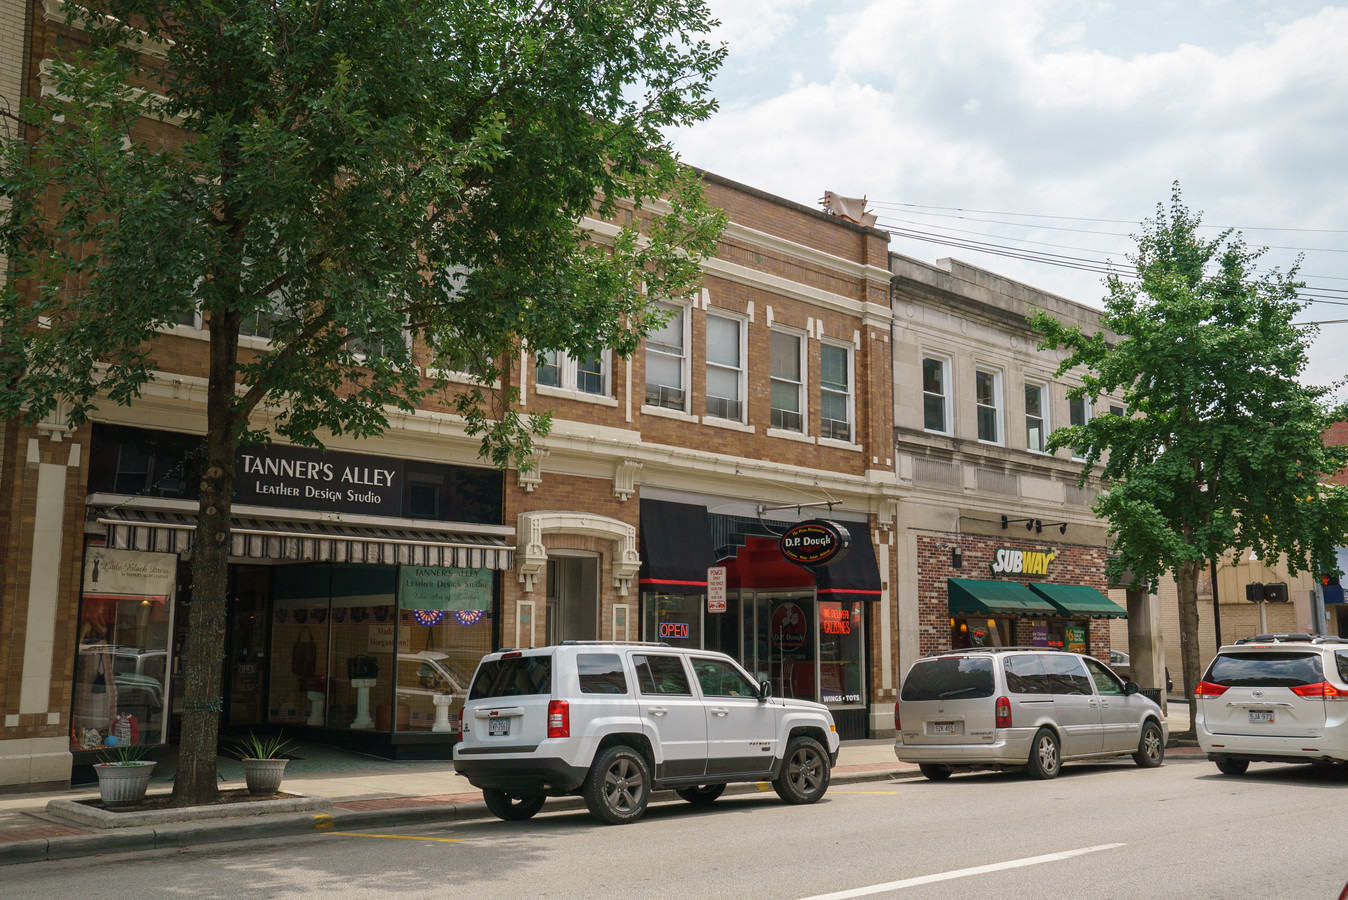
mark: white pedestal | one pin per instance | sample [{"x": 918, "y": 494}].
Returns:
[
  {"x": 442, "y": 704},
  {"x": 362, "y": 686},
  {"x": 315, "y": 708}
]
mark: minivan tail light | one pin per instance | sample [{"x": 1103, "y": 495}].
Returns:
[
  {"x": 1323, "y": 689},
  {"x": 559, "y": 719},
  {"x": 1003, "y": 712},
  {"x": 897, "y": 726},
  {"x": 1208, "y": 689}
]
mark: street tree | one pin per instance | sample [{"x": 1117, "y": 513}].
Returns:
[
  {"x": 1220, "y": 447},
  {"x": 376, "y": 185}
]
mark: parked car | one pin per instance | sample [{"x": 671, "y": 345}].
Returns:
[
  {"x": 1274, "y": 698},
  {"x": 1123, "y": 667},
  {"x": 1005, "y": 707},
  {"x": 613, "y": 722}
]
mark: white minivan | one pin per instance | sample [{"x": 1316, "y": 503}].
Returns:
[{"x": 1007, "y": 707}]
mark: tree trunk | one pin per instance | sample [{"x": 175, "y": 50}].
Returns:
[
  {"x": 1189, "y": 645},
  {"x": 195, "y": 783}
]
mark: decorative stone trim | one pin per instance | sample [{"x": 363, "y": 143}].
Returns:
[
  {"x": 531, "y": 555},
  {"x": 534, "y": 477},
  {"x": 625, "y": 477}
]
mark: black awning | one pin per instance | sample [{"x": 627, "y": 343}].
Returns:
[
  {"x": 854, "y": 577},
  {"x": 676, "y": 547}
]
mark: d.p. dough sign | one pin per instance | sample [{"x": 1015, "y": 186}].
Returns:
[{"x": 304, "y": 478}]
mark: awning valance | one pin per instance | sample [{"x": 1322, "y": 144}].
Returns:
[
  {"x": 854, "y": 577},
  {"x": 974, "y": 597},
  {"x": 310, "y": 541},
  {"x": 1080, "y": 600},
  {"x": 676, "y": 547}
]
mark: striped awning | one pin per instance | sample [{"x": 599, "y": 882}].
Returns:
[{"x": 308, "y": 541}]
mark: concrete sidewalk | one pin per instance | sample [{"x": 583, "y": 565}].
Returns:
[{"x": 354, "y": 793}]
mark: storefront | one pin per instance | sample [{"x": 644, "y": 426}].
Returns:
[
  {"x": 804, "y": 630},
  {"x": 1008, "y": 613},
  {"x": 362, "y": 592}
]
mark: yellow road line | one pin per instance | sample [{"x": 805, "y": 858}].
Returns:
[{"x": 397, "y": 837}]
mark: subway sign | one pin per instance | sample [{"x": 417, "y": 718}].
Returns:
[
  {"x": 816, "y": 543},
  {"x": 1021, "y": 562}
]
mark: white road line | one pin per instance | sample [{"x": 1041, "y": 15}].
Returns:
[{"x": 961, "y": 873}]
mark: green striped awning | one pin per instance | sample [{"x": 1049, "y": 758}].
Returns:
[
  {"x": 974, "y": 597},
  {"x": 1080, "y": 600}
]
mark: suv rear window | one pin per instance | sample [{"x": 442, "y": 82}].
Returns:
[
  {"x": 601, "y": 673},
  {"x": 1236, "y": 669},
  {"x": 520, "y": 676},
  {"x": 949, "y": 678}
]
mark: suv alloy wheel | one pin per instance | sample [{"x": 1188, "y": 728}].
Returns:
[
  {"x": 619, "y": 785},
  {"x": 805, "y": 773}
]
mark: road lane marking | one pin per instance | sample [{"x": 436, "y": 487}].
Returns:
[
  {"x": 397, "y": 837},
  {"x": 962, "y": 873}
]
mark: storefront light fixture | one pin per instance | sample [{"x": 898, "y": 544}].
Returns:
[
  {"x": 1061, "y": 526},
  {"x": 1029, "y": 523},
  {"x": 956, "y": 558}
]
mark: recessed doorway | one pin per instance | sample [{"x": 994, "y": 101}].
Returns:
[{"x": 573, "y": 598}]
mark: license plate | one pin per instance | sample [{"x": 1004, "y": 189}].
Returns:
[
  {"x": 498, "y": 726},
  {"x": 1261, "y": 715},
  {"x": 942, "y": 727}
]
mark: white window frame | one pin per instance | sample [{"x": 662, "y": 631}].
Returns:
[
  {"x": 802, "y": 386},
  {"x": 1045, "y": 426},
  {"x": 569, "y": 369},
  {"x": 945, "y": 395},
  {"x": 740, "y": 371},
  {"x": 1088, "y": 413},
  {"x": 683, "y": 357},
  {"x": 998, "y": 405},
  {"x": 850, "y": 350}
]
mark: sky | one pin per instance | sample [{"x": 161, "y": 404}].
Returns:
[{"x": 1050, "y": 127}]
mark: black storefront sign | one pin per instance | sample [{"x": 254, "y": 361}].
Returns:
[
  {"x": 818, "y": 542},
  {"x": 330, "y": 481}
]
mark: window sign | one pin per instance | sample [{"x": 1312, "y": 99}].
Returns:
[
  {"x": 431, "y": 587},
  {"x": 1075, "y": 636},
  {"x": 716, "y": 599}
]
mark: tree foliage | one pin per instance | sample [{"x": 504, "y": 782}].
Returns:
[
  {"x": 344, "y": 174},
  {"x": 1221, "y": 444}
]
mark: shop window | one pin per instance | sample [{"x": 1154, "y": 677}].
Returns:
[
  {"x": 661, "y": 675},
  {"x": 667, "y": 361},
  {"x": 840, "y": 649},
  {"x": 444, "y": 630},
  {"x": 675, "y": 619},
  {"x": 725, "y": 368},
  {"x": 935, "y": 394},
  {"x": 835, "y": 392},
  {"x": 787, "y": 388}
]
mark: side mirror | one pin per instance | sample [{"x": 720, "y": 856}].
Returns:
[
  {"x": 1130, "y": 687},
  {"x": 764, "y": 690}
]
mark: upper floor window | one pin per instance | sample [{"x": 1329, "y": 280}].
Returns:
[
  {"x": 1117, "y": 411},
  {"x": 1079, "y": 413},
  {"x": 835, "y": 392},
  {"x": 1036, "y": 416},
  {"x": 935, "y": 394},
  {"x": 988, "y": 396},
  {"x": 787, "y": 387},
  {"x": 588, "y": 375},
  {"x": 667, "y": 361},
  {"x": 725, "y": 368}
]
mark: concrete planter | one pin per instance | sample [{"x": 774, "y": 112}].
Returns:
[
  {"x": 264, "y": 775},
  {"x": 121, "y": 785}
]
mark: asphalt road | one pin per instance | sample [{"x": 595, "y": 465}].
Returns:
[{"x": 1100, "y": 831}]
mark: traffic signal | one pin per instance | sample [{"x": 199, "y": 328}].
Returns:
[
  {"x": 1255, "y": 592},
  {"x": 1331, "y": 589},
  {"x": 1276, "y": 592}
]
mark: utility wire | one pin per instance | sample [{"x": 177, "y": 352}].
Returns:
[{"x": 989, "y": 212}]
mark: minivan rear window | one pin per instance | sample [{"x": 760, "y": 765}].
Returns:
[
  {"x": 949, "y": 678},
  {"x": 1237, "y": 669},
  {"x": 520, "y": 676}
]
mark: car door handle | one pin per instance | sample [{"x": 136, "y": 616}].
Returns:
[
  {"x": 1092, "y": 703},
  {"x": 720, "y": 711},
  {"x": 658, "y": 711}
]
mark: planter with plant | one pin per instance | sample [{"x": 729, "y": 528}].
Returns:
[
  {"x": 123, "y": 776},
  {"x": 264, "y": 762}
]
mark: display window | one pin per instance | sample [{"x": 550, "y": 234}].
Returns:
[
  {"x": 675, "y": 619},
  {"x": 121, "y": 690},
  {"x": 970, "y": 631}
]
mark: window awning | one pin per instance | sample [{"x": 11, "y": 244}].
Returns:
[
  {"x": 974, "y": 597},
  {"x": 1080, "y": 600},
  {"x": 676, "y": 547},
  {"x": 311, "y": 541},
  {"x": 854, "y": 577}
]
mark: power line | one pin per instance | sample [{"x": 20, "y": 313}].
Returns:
[{"x": 989, "y": 212}]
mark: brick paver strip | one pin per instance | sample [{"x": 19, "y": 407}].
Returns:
[
  {"x": 404, "y": 802},
  {"x": 51, "y": 831}
]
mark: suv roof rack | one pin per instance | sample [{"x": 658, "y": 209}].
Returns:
[
  {"x": 613, "y": 643},
  {"x": 1295, "y": 637},
  {"x": 995, "y": 650}
]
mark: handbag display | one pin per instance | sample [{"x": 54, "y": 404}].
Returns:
[
  {"x": 100, "y": 683},
  {"x": 304, "y": 654},
  {"x": 362, "y": 667}
]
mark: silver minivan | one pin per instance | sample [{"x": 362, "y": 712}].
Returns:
[{"x": 1005, "y": 707}]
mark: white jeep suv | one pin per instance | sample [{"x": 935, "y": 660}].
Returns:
[
  {"x": 615, "y": 721},
  {"x": 1275, "y": 698}
]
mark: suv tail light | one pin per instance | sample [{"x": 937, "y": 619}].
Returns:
[
  {"x": 1003, "y": 712},
  {"x": 1323, "y": 689},
  {"x": 559, "y": 719},
  {"x": 1208, "y": 689},
  {"x": 897, "y": 726},
  {"x": 463, "y": 720}
]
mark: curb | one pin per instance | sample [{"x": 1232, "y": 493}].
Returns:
[{"x": 219, "y": 831}]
